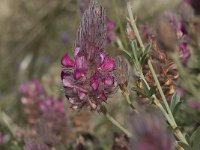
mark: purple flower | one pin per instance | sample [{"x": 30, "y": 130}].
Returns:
[
  {"x": 43, "y": 109},
  {"x": 177, "y": 36},
  {"x": 149, "y": 131},
  {"x": 50, "y": 105},
  {"x": 53, "y": 112},
  {"x": 33, "y": 93},
  {"x": 184, "y": 53},
  {"x": 31, "y": 88},
  {"x": 88, "y": 79},
  {"x": 111, "y": 35},
  {"x": 35, "y": 145},
  {"x": 180, "y": 91},
  {"x": 193, "y": 104}
]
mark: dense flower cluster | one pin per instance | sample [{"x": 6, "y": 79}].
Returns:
[
  {"x": 43, "y": 109},
  {"x": 88, "y": 79},
  {"x": 33, "y": 94},
  {"x": 53, "y": 113},
  {"x": 33, "y": 144},
  {"x": 173, "y": 35}
]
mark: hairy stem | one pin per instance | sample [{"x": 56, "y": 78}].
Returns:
[
  {"x": 117, "y": 124},
  {"x": 167, "y": 113}
]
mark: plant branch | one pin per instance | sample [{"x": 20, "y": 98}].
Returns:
[
  {"x": 117, "y": 124},
  {"x": 167, "y": 113}
]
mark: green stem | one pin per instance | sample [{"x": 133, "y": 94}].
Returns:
[
  {"x": 167, "y": 113},
  {"x": 120, "y": 23},
  {"x": 127, "y": 98},
  {"x": 133, "y": 23},
  {"x": 5, "y": 119},
  {"x": 117, "y": 124},
  {"x": 160, "y": 90}
]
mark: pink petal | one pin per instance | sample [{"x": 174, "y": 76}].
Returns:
[
  {"x": 108, "y": 64},
  {"x": 94, "y": 83},
  {"x": 76, "y": 51},
  {"x": 81, "y": 63},
  {"x": 109, "y": 80},
  {"x": 68, "y": 82},
  {"x": 67, "y": 61},
  {"x": 79, "y": 74},
  {"x": 81, "y": 95},
  {"x": 102, "y": 56}
]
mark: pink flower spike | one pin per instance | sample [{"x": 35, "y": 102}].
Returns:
[
  {"x": 67, "y": 61},
  {"x": 108, "y": 64}
]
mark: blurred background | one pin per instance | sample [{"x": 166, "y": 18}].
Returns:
[{"x": 34, "y": 34}]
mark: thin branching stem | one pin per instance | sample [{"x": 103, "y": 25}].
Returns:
[
  {"x": 167, "y": 113},
  {"x": 117, "y": 124}
]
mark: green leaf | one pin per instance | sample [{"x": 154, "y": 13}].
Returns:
[
  {"x": 134, "y": 53},
  {"x": 146, "y": 51},
  {"x": 195, "y": 139},
  {"x": 175, "y": 101},
  {"x": 126, "y": 53},
  {"x": 146, "y": 89},
  {"x": 140, "y": 91},
  {"x": 152, "y": 91},
  {"x": 187, "y": 137}
]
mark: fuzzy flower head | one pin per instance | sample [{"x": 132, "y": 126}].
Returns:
[
  {"x": 122, "y": 72},
  {"x": 31, "y": 88},
  {"x": 88, "y": 79},
  {"x": 33, "y": 144},
  {"x": 32, "y": 94},
  {"x": 173, "y": 35},
  {"x": 149, "y": 131},
  {"x": 110, "y": 24}
]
